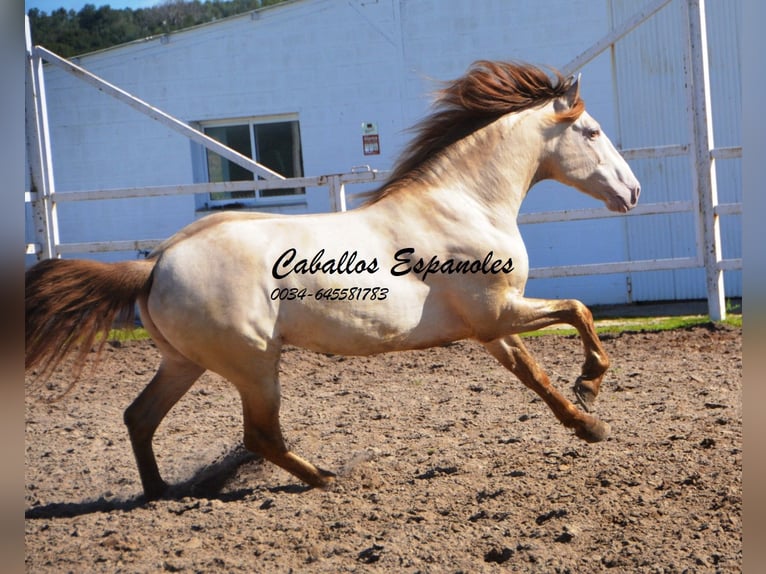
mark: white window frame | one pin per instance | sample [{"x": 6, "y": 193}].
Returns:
[{"x": 201, "y": 175}]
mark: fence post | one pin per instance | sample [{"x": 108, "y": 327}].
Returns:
[
  {"x": 39, "y": 155},
  {"x": 337, "y": 193},
  {"x": 703, "y": 174}
]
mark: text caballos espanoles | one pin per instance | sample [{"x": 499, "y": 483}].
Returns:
[{"x": 406, "y": 262}]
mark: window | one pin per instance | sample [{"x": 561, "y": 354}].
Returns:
[{"x": 275, "y": 143}]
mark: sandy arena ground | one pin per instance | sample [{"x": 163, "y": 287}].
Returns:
[{"x": 446, "y": 463}]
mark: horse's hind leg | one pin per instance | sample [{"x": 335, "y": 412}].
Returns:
[
  {"x": 174, "y": 377},
  {"x": 260, "y": 395},
  {"x": 263, "y": 436},
  {"x": 512, "y": 354}
]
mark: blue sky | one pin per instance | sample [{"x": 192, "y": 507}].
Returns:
[{"x": 51, "y": 5}]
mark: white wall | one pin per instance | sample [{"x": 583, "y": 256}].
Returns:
[{"x": 335, "y": 64}]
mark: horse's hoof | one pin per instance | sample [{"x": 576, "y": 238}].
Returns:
[
  {"x": 594, "y": 432},
  {"x": 324, "y": 480},
  {"x": 585, "y": 396}
]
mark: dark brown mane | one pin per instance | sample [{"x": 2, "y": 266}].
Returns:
[{"x": 487, "y": 91}]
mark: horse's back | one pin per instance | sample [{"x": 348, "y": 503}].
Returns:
[{"x": 207, "y": 223}]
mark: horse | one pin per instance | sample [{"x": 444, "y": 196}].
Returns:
[{"x": 435, "y": 256}]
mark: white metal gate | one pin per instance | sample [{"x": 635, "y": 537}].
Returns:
[{"x": 700, "y": 150}]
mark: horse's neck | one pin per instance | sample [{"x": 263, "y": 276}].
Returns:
[
  {"x": 488, "y": 172},
  {"x": 508, "y": 164}
]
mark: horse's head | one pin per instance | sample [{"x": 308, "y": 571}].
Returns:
[{"x": 581, "y": 155}]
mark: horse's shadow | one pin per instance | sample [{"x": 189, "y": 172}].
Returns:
[{"x": 207, "y": 482}]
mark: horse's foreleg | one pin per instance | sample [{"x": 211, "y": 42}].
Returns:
[
  {"x": 143, "y": 416},
  {"x": 512, "y": 354},
  {"x": 526, "y": 314},
  {"x": 263, "y": 434}
]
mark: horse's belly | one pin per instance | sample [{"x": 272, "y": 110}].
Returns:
[{"x": 368, "y": 329}]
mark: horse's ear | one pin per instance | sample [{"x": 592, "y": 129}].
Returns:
[
  {"x": 573, "y": 93},
  {"x": 570, "y": 97}
]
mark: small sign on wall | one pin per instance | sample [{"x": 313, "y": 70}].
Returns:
[{"x": 370, "y": 139}]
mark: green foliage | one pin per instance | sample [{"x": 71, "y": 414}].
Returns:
[
  {"x": 647, "y": 324},
  {"x": 70, "y": 33}
]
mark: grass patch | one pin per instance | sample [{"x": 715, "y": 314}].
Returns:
[
  {"x": 612, "y": 325},
  {"x": 122, "y": 335},
  {"x": 650, "y": 324}
]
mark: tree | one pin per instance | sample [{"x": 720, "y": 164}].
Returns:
[{"x": 70, "y": 33}]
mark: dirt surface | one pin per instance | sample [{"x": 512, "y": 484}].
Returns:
[{"x": 446, "y": 463}]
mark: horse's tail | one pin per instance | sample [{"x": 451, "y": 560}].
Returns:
[{"x": 70, "y": 302}]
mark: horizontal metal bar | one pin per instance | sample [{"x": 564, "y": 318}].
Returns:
[
  {"x": 726, "y": 152},
  {"x": 655, "y": 151},
  {"x": 156, "y": 191},
  {"x": 617, "y": 267},
  {"x": 364, "y": 176},
  {"x": 168, "y": 190},
  {"x": 730, "y": 264},
  {"x": 104, "y": 246},
  {"x": 602, "y": 212},
  {"x": 728, "y": 209},
  {"x": 219, "y": 187}
]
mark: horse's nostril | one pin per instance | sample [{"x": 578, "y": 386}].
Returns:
[{"x": 634, "y": 194}]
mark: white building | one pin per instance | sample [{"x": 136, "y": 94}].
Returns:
[{"x": 292, "y": 85}]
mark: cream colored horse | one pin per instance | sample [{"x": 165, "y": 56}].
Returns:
[{"x": 436, "y": 256}]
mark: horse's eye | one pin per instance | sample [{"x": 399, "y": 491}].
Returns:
[{"x": 591, "y": 133}]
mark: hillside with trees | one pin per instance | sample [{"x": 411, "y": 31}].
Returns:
[{"x": 70, "y": 33}]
